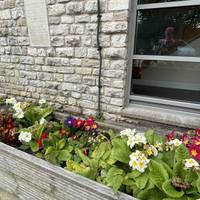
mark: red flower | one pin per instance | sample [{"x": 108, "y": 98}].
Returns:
[
  {"x": 42, "y": 137},
  {"x": 90, "y": 121},
  {"x": 62, "y": 132},
  {"x": 185, "y": 139},
  {"x": 194, "y": 151},
  {"x": 170, "y": 135},
  {"x": 78, "y": 123},
  {"x": 196, "y": 140},
  {"x": 197, "y": 131}
]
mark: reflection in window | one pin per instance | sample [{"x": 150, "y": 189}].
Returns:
[
  {"x": 167, "y": 79},
  {"x": 168, "y": 31},
  {"x": 156, "y": 1}
]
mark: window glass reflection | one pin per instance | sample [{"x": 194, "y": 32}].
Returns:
[
  {"x": 156, "y": 1},
  {"x": 168, "y": 31},
  {"x": 167, "y": 79}
]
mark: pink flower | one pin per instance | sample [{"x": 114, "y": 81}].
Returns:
[
  {"x": 194, "y": 151},
  {"x": 196, "y": 140},
  {"x": 170, "y": 135},
  {"x": 185, "y": 139},
  {"x": 197, "y": 131}
]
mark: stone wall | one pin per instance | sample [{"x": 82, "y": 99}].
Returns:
[{"x": 66, "y": 74}]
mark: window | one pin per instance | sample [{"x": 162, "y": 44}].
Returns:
[{"x": 166, "y": 52}]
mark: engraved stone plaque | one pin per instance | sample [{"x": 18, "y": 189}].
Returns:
[{"x": 37, "y": 22}]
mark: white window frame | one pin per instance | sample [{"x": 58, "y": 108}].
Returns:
[{"x": 134, "y": 7}]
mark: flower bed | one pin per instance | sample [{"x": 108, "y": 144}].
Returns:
[{"x": 143, "y": 165}]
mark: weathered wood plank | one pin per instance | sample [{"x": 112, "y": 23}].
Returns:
[{"x": 31, "y": 178}]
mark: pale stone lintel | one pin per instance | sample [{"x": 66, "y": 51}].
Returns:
[
  {"x": 118, "y": 4},
  {"x": 162, "y": 115}
]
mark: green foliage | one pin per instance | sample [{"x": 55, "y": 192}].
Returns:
[
  {"x": 170, "y": 190},
  {"x": 120, "y": 150},
  {"x": 115, "y": 178},
  {"x": 158, "y": 174}
]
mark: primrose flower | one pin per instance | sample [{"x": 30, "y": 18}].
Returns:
[
  {"x": 190, "y": 163},
  {"x": 42, "y": 101},
  {"x": 17, "y": 107},
  {"x": 151, "y": 150},
  {"x": 138, "y": 161},
  {"x": 11, "y": 101},
  {"x": 194, "y": 151},
  {"x": 19, "y": 114},
  {"x": 42, "y": 121},
  {"x": 196, "y": 140},
  {"x": 138, "y": 138},
  {"x": 170, "y": 135},
  {"x": 159, "y": 146},
  {"x": 175, "y": 142},
  {"x": 185, "y": 139},
  {"x": 128, "y": 132},
  {"x": 25, "y": 137},
  {"x": 197, "y": 131},
  {"x": 78, "y": 123},
  {"x": 69, "y": 122}
]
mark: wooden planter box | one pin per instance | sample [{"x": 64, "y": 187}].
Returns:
[{"x": 31, "y": 178}]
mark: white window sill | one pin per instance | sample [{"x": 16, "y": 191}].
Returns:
[{"x": 162, "y": 115}]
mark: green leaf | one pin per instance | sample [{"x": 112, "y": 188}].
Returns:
[
  {"x": 64, "y": 155},
  {"x": 47, "y": 143},
  {"x": 166, "y": 166},
  {"x": 170, "y": 190},
  {"x": 40, "y": 131},
  {"x": 168, "y": 158},
  {"x": 61, "y": 144},
  {"x": 52, "y": 157},
  {"x": 34, "y": 146},
  {"x": 120, "y": 150},
  {"x": 49, "y": 150},
  {"x": 153, "y": 194},
  {"x": 178, "y": 170},
  {"x": 150, "y": 136},
  {"x": 181, "y": 153},
  {"x": 46, "y": 112},
  {"x": 111, "y": 134},
  {"x": 158, "y": 174},
  {"x": 141, "y": 181},
  {"x": 115, "y": 177},
  {"x": 134, "y": 174},
  {"x": 103, "y": 151},
  {"x": 198, "y": 184},
  {"x": 83, "y": 157},
  {"x": 80, "y": 169}
]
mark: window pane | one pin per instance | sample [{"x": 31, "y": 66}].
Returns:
[
  {"x": 156, "y": 1},
  {"x": 168, "y": 31},
  {"x": 167, "y": 79}
]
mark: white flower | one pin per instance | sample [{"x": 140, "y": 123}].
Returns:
[
  {"x": 175, "y": 142},
  {"x": 151, "y": 150},
  {"x": 19, "y": 114},
  {"x": 190, "y": 163},
  {"x": 138, "y": 138},
  {"x": 25, "y": 137},
  {"x": 138, "y": 161},
  {"x": 42, "y": 101},
  {"x": 159, "y": 146},
  {"x": 128, "y": 132},
  {"x": 11, "y": 101},
  {"x": 17, "y": 106},
  {"x": 42, "y": 121}
]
